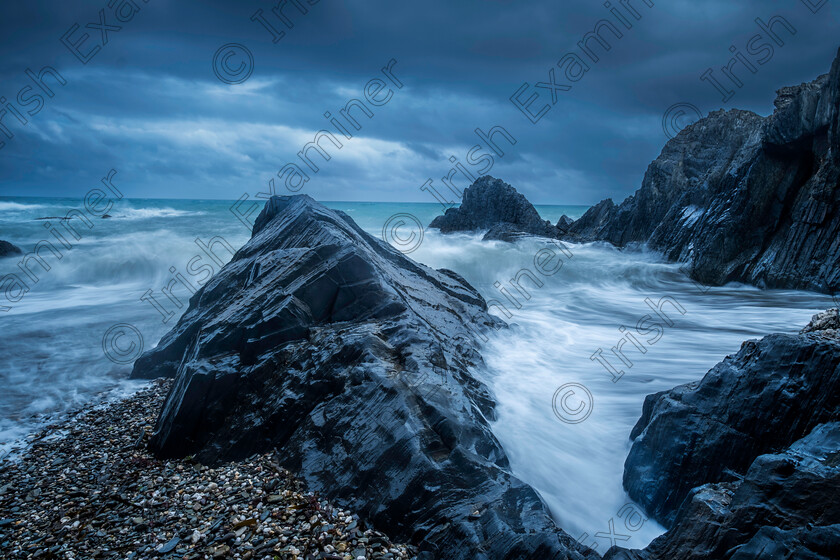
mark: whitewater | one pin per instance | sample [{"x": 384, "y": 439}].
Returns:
[{"x": 563, "y": 418}]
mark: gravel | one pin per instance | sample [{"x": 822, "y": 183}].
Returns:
[{"x": 90, "y": 489}]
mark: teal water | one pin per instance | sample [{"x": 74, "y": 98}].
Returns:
[{"x": 70, "y": 338}]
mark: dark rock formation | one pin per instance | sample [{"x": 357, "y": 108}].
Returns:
[
  {"x": 7, "y": 249},
  {"x": 771, "y": 393},
  {"x": 354, "y": 362},
  {"x": 491, "y": 204},
  {"x": 739, "y": 197},
  {"x": 564, "y": 223},
  {"x": 785, "y": 507}
]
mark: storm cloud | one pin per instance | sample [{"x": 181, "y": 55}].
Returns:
[{"x": 140, "y": 93}]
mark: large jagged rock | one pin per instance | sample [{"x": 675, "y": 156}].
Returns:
[
  {"x": 7, "y": 249},
  {"x": 356, "y": 363},
  {"x": 739, "y": 197},
  {"x": 785, "y": 507},
  {"x": 771, "y": 393},
  {"x": 493, "y": 205}
]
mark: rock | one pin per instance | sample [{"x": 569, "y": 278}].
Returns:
[
  {"x": 564, "y": 223},
  {"x": 825, "y": 324},
  {"x": 169, "y": 546},
  {"x": 7, "y": 249},
  {"x": 785, "y": 507},
  {"x": 504, "y": 232},
  {"x": 355, "y": 363},
  {"x": 491, "y": 204},
  {"x": 771, "y": 393},
  {"x": 740, "y": 197}
]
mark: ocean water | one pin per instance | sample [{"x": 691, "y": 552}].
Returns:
[{"x": 564, "y": 418}]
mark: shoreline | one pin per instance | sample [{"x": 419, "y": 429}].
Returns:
[{"x": 95, "y": 491}]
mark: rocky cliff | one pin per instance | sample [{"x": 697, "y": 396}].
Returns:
[
  {"x": 740, "y": 197},
  {"x": 357, "y": 364},
  {"x": 746, "y": 462},
  {"x": 493, "y": 205}
]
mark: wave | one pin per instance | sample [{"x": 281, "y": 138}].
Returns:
[
  {"x": 146, "y": 213},
  {"x": 16, "y": 206}
]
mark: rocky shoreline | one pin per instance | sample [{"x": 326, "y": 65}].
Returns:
[
  {"x": 740, "y": 197},
  {"x": 89, "y": 488},
  {"x": 743, "y": 464},
  {"x": 358, "y": 364}
]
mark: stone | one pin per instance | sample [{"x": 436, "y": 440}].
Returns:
[
  {"x": 169, "y": 546},
  {"x": 356, "y": 364},
  {"x": 493, "y": 205},
  {"x": 740, "y": 197},
  {"x": 7, "y": 249},
  {"x": 771, "y": 393},
  {"x": 785, "y": 507}
]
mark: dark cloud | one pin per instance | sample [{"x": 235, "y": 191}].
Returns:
[{"x": 149, "y": 105}]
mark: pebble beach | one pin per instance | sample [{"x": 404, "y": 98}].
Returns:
[{"x": 89, "y": 488}]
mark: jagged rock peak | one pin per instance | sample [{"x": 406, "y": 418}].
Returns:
[{"x": 491, "y": 204}]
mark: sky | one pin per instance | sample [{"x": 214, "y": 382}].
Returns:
[{"x": 151, "y": 96}]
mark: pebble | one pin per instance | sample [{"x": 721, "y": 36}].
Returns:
[{"x": 89, "y": 489}]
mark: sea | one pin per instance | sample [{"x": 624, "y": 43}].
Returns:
[{"x": 566, "y": 401}]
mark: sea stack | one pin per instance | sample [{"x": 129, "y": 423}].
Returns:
[{"x": 492, "y": 205}]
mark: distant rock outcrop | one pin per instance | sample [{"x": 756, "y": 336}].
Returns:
[
  {"x": 740, "y": 197},
  {"x": 7, "y": 249},
  {"x": 493, "y": 205},
  {"x": 746, "y": 462},
  {"x": 355, "y": 363}
]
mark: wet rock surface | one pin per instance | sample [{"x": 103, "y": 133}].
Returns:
[
  {"x": 771, "y": 393},
  {"x": 90, "y": 489},
  {"x": 358, "y": 365},
  {"x": 746, "y": 462},
  {"x": 7, "y": 249},
  {"x": 493, "y": 205},
  {"x": 785, "y": 507},
  {"x": 740, "y": 197}
]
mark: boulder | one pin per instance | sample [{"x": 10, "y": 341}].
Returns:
[
  {"x": 7, "y": 249},
  {"x": 564, "y": 223},
  {"x": 771, "y": 393},
  {"x": 740, "y": 197},
  {"x": 785, "y": 507},
  {"x": 358, "y": 365},
  {"x": 491, "y": 204}
]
